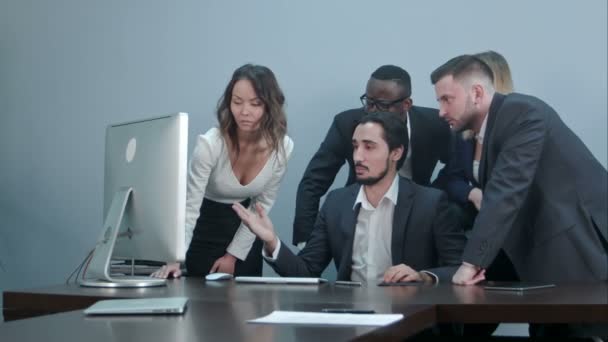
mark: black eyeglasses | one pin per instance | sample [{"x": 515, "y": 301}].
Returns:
[{"x": 382, "y": 106}]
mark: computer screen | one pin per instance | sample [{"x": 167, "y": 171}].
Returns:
[{"x": 144, "y": 197}]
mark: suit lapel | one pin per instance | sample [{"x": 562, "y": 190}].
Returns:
[
  {"x": 347, "y": 225},
  {"x": 400, "y": 217},
  {"x": 492, "y": 114}
]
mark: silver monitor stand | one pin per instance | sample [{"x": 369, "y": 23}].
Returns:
[{"x": 98, "y": 271}]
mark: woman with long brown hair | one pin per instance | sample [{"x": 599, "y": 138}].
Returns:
[{"x": 242, "y": 161}]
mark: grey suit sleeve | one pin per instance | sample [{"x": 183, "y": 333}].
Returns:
[
  {"x": 507, "y": 186},
  {"x": 318, "y": 177},
  {"x": 449, "y": 241},
  {"x": 312, "y": 260}
]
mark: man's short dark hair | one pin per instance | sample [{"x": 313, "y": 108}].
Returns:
[
  {"x": 394, "y": 131},
  {"x": 462, "y": 66},
  {"x": 395, "y": 74}
]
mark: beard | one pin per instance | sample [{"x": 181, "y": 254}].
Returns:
[
  {"x": 373, "y": 180},
  {"x": 467, "y": 116}
]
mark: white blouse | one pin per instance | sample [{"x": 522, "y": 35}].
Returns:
[{"x": 211, "y": 176}]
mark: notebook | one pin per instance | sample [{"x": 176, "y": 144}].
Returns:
[
  {"x": 280, "y": 280},
  {"x": 145, "y": 306}
]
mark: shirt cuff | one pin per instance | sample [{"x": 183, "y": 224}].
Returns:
[
  {"x": 275, "y": 254},
  {"x": 433, "y": 275},
  {"x": 238, "y": 253},
  {"x": 241, "y": 243}
]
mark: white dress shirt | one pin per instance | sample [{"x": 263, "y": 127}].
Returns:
[
  {"x": 479, "y": 138},
  {"x": 373, "y": 236},
  {"x": 210, "y": 175}
]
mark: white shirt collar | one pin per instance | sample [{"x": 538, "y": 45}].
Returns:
[
  {"x": 391, "y": 194},
  {"x": 482, "y": 130}
]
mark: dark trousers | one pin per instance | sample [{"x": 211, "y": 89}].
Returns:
[
  {"x": 214, "y": 230},
  {"x": 501, "y": 269}
]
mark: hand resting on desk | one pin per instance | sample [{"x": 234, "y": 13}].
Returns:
[
  {"x": 404, "y": 273},
  {"x": 170, "y": 270},
  {"x": 224, "y": 264}
]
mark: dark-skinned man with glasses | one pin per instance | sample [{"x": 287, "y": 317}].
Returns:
[{"x": 388, "y": 90}]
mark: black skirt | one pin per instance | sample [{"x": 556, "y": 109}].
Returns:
[{"x": 215, "y": 228}]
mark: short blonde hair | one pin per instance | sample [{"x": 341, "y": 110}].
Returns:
[{"x": 503, "y": 83}]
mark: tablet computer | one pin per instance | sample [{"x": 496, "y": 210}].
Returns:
[{"x": 515, "y": 285}]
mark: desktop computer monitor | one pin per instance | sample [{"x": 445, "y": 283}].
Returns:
[{"x": 144, "y": 198}]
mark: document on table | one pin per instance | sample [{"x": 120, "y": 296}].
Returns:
[
  {"x": 320, "y": 318},
  {"x": 280, "y": 280}
]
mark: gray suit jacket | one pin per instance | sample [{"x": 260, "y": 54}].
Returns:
[
  {"x": 544, "y": 196},
  {"x": 424, "y": 236}
]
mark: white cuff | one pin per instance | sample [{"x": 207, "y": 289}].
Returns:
[
  {"x": 435, "y": 277},
  {"x": 241, "y": 243},
  {"x": 275, "y": 254}
]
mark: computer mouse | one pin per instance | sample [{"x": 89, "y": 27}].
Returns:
[{"x": 218, "y": 276}]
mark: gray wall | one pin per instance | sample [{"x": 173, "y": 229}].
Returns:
[{"x": 70, "y": 67}]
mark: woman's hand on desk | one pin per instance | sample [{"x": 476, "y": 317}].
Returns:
[
  {"x": 224, "y": 264},
  {"x": 170, "y": 270}
]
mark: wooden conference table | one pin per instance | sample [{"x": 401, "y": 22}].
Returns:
[{"x": 218, "y": 311}]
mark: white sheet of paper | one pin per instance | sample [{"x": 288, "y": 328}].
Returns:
[
  {"x": 321, "y": 318},
  {"x": 279, "y": 280}
]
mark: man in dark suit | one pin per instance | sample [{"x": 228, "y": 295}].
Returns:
[
  {"x": 544, "y": 194},
  {"x": 388, "y": 90},
  {"x": 543, "y": 214},
  {"x": 386, "y": 228}
]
